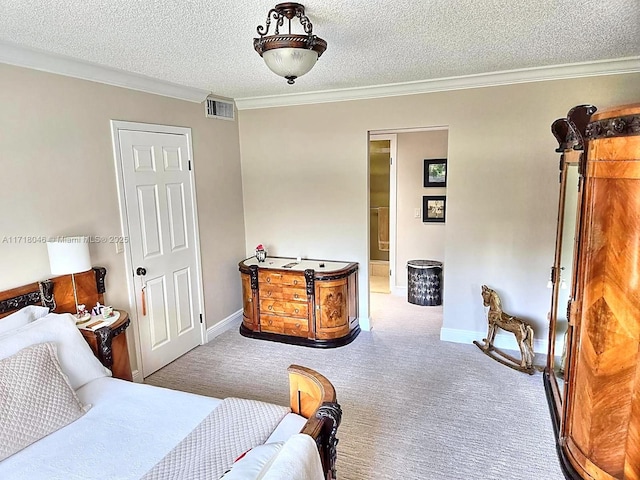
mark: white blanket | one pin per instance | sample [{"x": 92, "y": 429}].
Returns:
[
  {"x": 129, "y": 429},
  {"x": 229, "y": 431}
]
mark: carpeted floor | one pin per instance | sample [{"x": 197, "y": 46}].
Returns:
[{"x": 414, "y": 407}]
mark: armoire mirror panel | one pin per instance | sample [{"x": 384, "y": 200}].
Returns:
[{"x": 562, "y": 287}]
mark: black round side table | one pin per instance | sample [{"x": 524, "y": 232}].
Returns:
[{"x": 424, "y": 282}]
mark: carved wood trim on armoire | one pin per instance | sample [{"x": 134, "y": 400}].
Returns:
[{"x": 595, "y": 399}]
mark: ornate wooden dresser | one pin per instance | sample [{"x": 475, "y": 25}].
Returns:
[
  {"x": 308, "y": 302},
  {"x": 594, "y": 391}
]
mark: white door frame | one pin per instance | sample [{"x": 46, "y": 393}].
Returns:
[
  {"x": 116, "y": 126},
  {"x": 393, "y": 185}
]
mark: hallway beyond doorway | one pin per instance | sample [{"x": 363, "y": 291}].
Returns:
[{"x": 379, "y": 276}]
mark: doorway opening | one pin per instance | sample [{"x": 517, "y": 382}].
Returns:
[{"x": 399, "y": 230}]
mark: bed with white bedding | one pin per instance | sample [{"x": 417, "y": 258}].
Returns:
[
  {"x": 126, "y": 430},
  {"x": 132, "y": 425}
]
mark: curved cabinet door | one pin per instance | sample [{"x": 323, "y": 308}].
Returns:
[
  {"x": 332, "y": 313},
  {"x": 247, "y": 302}
]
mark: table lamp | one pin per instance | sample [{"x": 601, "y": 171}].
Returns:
[{"x": 70, "y": 255}]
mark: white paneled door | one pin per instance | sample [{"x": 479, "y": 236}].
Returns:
[{"x": 162, "y": 243}]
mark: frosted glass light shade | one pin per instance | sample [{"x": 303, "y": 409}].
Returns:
[
  {"x": 69, "y": 255},
  {"x": 290, "y": 62}
]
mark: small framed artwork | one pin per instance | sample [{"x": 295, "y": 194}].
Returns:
[
  {"x": 434, "y": 208},
  {"x": 435, "y": 172}
]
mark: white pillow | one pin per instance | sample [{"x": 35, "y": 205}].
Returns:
[
  {"x": 22, "y": 317},
  {"x": 297, "y": 458},
  {"x": 76, "y": 358},
  {"x": 35, "y": 399}
]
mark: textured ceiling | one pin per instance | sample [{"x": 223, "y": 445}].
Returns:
[{"x": 208, "y": 43}]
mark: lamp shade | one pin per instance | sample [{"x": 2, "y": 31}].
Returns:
[
  {"x": 290, "y": 62},
  {"x": 69, "y": 255}
]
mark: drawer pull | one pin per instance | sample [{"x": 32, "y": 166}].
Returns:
[
  {"x": 270, "y": 308},
  {"x": 268, "y": 293},
  {"x": 295, "y": 282},
  {"x": 297, "y": 310},
  {"x": 295, "y": 295},
  {"x": 250, "y": 300},
  {"x": 270, "y": 322},
  {"x": 268, "y": 279},
  {"x": 297, "y": 325}
]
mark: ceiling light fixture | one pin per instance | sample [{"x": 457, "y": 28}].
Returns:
[{"x": 289, "y": 55}]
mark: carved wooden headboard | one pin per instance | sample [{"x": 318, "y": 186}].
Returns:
[{"x": 56, "y": 293}]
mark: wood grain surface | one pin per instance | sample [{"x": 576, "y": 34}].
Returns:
[{"x": 603, "y": 426}]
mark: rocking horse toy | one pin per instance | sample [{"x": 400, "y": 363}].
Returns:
[{"x": 522, "y": 330}]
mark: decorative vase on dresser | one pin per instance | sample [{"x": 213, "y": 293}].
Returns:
[
  {"x": 308, "y": 302},
  {"x": 261, "y": 253},
  {"x": 594, "y": 395}
]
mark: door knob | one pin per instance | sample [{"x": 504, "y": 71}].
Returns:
[{"x": 141, "y": 271}]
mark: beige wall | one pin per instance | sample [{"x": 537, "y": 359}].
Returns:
[
  {"x": 59, "y": 179},
  {"x": 305, "y": 184},
  {"x": 417, "y": 240}
]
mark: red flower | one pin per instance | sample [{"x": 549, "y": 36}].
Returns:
[{"x": 260, "y": 247}]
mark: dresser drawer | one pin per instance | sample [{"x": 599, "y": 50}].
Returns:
[
  {"x": 297, "y": 327},
  {"x": 271, "y": 324},
  {"x": 294, "y": 279},
  {"x": 282, "y": 292},
  {"x": 282, "y": 307}
]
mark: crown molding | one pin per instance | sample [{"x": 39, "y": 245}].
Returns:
[
  {"x": 63, "y": 65},
  {"x": 508, "y": 77}
]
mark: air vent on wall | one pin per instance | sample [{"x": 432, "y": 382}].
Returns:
[{"x": 216, "y": 108}]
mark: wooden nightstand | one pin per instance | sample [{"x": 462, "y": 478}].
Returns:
[{"x": 109, "y": 344}]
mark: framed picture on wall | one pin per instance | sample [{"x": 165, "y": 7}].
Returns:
[
  {"x": 435, "y": 172},
  {"x": 434, "y": 208}
]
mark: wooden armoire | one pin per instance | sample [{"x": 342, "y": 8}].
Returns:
[{"x": 592, "y": 376}]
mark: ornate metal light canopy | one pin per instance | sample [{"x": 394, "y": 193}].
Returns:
[{"x": 289, "y": 55}]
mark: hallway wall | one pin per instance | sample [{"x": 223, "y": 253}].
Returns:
[{"x": 415, "y": 239}]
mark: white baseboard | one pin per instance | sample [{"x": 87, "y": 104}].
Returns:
[
  {"x": 365, "y": 324},
  {"x": 235, "y": 319},
  {"x": 505, "y": 341},
  {"x": 225, "y": 324},
  {"x": 399, "y": 291},
  {"x": 137, "y": 376}
]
